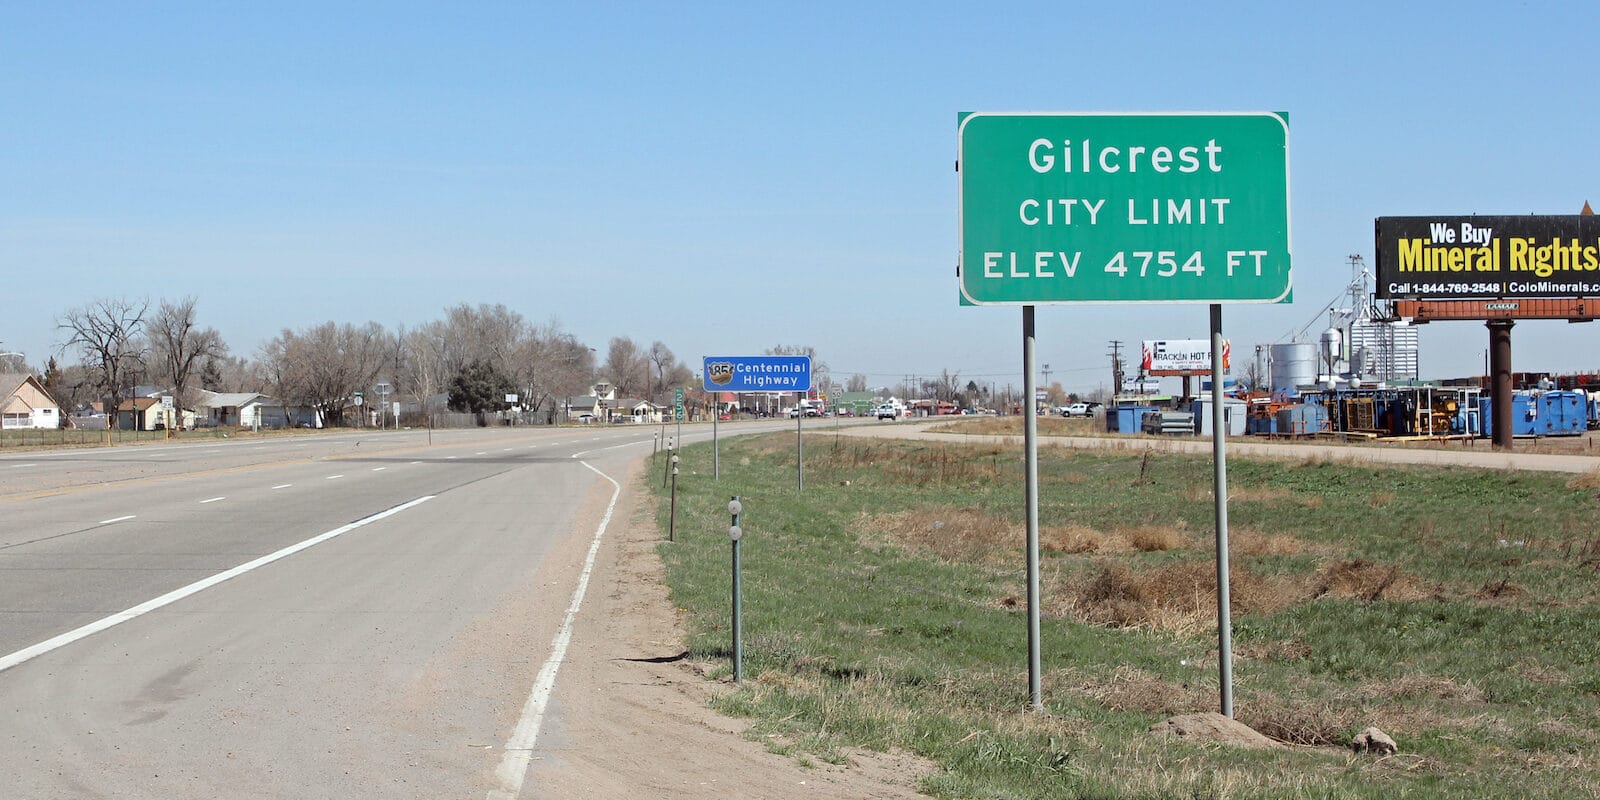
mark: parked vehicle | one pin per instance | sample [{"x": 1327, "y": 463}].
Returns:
[{"x": 1077, "y": 410}]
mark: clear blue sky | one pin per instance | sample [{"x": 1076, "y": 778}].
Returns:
[{"x": 728, "y": 177}]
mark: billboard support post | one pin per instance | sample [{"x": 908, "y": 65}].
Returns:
[{"x": 1500, "y": 380}]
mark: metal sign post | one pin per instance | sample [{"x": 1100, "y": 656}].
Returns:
[
  {"x": 738, "y": 374},
  {"x": 1143, "y": 207},
  {"x": 735, "y": 533},
  {"x": 1030, "y": 490},
  {"x": 672, "y": 523},
  {"x": 1219, "y": 457},
  {"x": 799, "y": 450}
]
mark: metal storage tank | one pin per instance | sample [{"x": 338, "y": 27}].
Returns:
[{"x": 1293, "y": 365}]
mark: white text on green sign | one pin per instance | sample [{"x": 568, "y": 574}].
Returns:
[{"x": 1065, "y": 208}]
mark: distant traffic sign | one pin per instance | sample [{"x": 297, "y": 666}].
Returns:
[
  {"x": 757, "y": 374},
  {"x": 1109, "y": 208}
]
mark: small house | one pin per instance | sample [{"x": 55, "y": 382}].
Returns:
[{"x": 24, "y": 403}]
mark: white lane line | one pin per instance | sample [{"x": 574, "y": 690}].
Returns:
[
  {"x": 379, "y": 469},
  {"x": 283, "y": 486},
  {"x": 22, "y": 466},
  {"x": 603, "y": 449},
  {"x": 447, "y": 458},
  {"x": 506, "y": 450},
  {"x": 332, "y": 477},
  {"x": 117, "y": 519},
  {"x": 481, "y": 453},
  {"x": 30, "y": 653},
  {"x": 416, "y": 462},
  {"x": 513, "y": 768},
  {"x": 213, "y": 500}
]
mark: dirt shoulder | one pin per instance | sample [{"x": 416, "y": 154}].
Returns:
[{"x": 631, "y": 716}]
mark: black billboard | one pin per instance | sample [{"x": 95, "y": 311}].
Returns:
[{"x": 1486, "y": 258}]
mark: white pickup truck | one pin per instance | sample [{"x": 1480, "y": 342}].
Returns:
[
  {"x": 888, "y": 411},
  {"x": 1077, "y": 410}
]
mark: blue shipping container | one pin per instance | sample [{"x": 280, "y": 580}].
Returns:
[
  {"x": 1126, "y": 419},
  {"x": 1523, "y": 415},
  {"x": 1562, "y": 413},
  {"x": 1302, "y": 419}
]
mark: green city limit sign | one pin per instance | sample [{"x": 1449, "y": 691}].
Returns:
[{"x": 1112, "y": 208}]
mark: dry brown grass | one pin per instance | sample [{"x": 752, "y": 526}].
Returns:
[
  {"x": 1155, "y": 538},
  {"x": 1318, "y": 723},
  {"x": 1381, "y": 499},
  {"x": 1436, "y": 687},
  {"x": 1534, "y": 672},
  {"x": 945, "y": 464},
  {"x": 953, "y": 535},
  {"x": 1250, "y": 542},
  {"x": 1365, "y": 580},
  {"x": 1129, "y": 688},
  {"x": 1588, "y": 480},
  {"x": 1502, "y": 589},
  {"x": 1071, "y": 539},
  {"x": 1179, "y": 597}
]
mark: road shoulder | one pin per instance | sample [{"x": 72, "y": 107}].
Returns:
[{"x": 632, "y": 716}]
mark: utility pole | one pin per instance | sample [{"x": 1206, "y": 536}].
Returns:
[{"x": 1116, "y": 367}]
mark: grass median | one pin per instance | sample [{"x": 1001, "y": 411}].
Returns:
[{"x": 884, "y": 610}]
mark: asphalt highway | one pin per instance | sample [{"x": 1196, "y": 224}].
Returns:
[{"x": 346, "y": 615}]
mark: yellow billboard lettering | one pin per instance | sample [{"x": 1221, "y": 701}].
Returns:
[
  {"x": 1519, "y": 254},
  {"x": 1411, "y": 255}
]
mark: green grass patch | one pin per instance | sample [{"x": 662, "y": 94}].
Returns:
[{"x": 1454, "y": 608}]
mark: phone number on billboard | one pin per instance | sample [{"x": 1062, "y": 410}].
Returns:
[{"x": 1448, "y": 288}]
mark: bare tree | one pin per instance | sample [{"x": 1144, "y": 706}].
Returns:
[
  {"x": 423, "y": 355},
  {"x": 178, "y": 346},
  {"x": 325, "y": 365},
  {"x": 626, "y": 367},
  {"x": 662, "y": 361},
  {"x": 819, "y": 369},
  {"x": 857, "y": 383},
  {"x": 553, "y": 363},
  {"x": 488, "y": 333},
  {"x": 106, "y": 335},
  {"x": 226, "y": 373}
]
